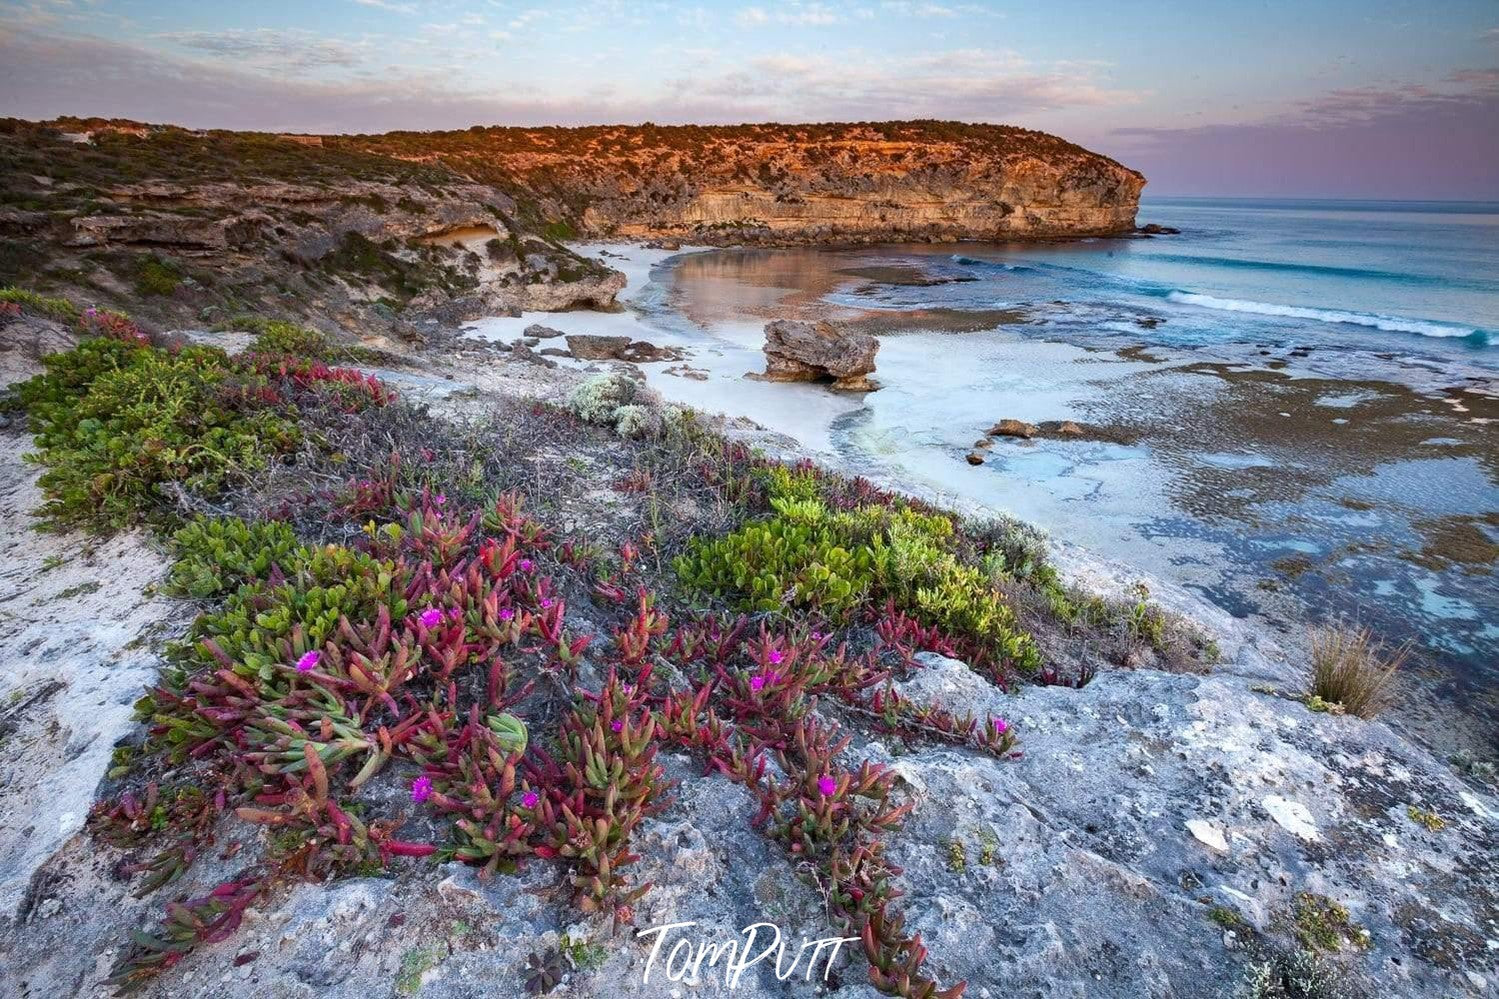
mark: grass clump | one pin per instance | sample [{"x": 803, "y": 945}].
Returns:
[
  {"x": 1323, "y": 925},
  {"x": 1300, "y": 975},
  {"x": 155, "y": 276},
  {"x": 1351, "y": 669}
]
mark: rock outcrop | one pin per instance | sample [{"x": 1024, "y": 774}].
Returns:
[{"x": 798, "y": 351}]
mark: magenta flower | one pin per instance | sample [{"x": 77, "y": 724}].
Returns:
[
  {"x": 309, "y": 661},
  {"x": 431, "y": 617},
  {"x": 506, "y": 613},
  {"x": 816, "y": 636},
  {"x": 757, "y": 682},
  {"x": 775, "y": 657},
  {"x": 440, "y": 499},
  {"x": 826, "y": 785},
  {"x": 546, "y": 604},
  {"x": 455, "y": 613},
  {"x": 421, "y": 789},
  {"x": 1000, "y": 726},
  {"x": 525, "y": 565},
  {"x": 617, "y": 725},
  {"x": 530, "y": 800}
]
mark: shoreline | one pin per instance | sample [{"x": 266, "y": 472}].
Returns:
[{"x": 809, "y": 417}]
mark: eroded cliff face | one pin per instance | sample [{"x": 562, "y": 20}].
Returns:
[{"x": 814, "y": 183}]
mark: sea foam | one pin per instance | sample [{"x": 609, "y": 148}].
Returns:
[{"x": 1391, "y": 324}]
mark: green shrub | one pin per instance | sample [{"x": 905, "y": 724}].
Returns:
[
  {"x": 598, "y": 399},
  {"x": 67, "y": 376},
  {"x": 834, "y": 562},
  {"x": 154, "y": 276},
  {"x": 218, "y": 555},
  {"x": 261, "y": 625},
  {"x": 127, "y": 420},
  {"x": 59, "y": 309}
]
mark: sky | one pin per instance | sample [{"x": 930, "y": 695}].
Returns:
[{"x": 1311, "y": 98}]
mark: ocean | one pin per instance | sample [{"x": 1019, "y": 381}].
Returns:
[{"x": 1293, "y": 399}]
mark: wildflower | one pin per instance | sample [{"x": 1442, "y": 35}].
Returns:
[
  {"x": 506, "y": 613},
  {"x": 775, "y": 657},
  {"x": 546, "y": 604},
  {"x": 757, "y": 682},
  {"x": 530, "y": 800},
  {"x": 816, "y": 636},
  {"x": 525, "y": 565},
  {"x": 440, "y": 499},
  {"x": 618, "y": 725},
  {"x": 827, "y": 785},
  {"x": 431, "y": 617},
  {"x": 309, "y": 661},
  {"x": 1000, "y": 726},
  {"x": 421, "y": 789}
]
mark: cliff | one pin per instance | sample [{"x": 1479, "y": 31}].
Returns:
[
  {"x": 920, "y": 180},
  {"x": 388, "y": 233}
]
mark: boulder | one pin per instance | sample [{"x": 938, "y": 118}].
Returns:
[
  {"x": 1013, "y": 428},
  {"x": 540, "y": 332},
  {"x": 802, "y": 352},
  {"x": 1156, "y": 229},
  {"x": 592, "y": 347}
]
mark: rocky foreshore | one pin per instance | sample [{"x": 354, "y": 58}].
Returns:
[{"x": 1158, "y": 834}]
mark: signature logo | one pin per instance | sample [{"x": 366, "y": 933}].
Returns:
[{"x": 684, "y": 961}]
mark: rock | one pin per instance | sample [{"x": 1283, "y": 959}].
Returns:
[
  {"x": 1068, "y": 428},
  {"x": 984, "y": 443},
  {"x": 800, "y": 351},
  {"x": 540, "y": 332},
  {"x": 169, "y": 230},
  {"x": 524, "y": 353},
  {"x": 974, "y": 458},
  {"x": 554, "y": 352},
  {"x": 1208, "y": 834},
  {"x": 1013, "y": 428},
  {"x": 592, "y": 347},
  {"x": 1156, "y": 229}
]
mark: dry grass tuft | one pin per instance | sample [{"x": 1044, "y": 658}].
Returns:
[{"x": 1353, "y": 669}]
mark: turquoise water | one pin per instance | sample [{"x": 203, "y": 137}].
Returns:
[
  {"x": 1355, "y": 274},
  {"x": 1309, "y": 394}
]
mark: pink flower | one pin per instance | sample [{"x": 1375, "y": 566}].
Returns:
[
  {"x": 440, "y": 499},
  {"x": 525, "y": 565},
  {"x": 617, "y": 725},
  {"x": 1000, "y": 726},
  {"x": 431, "y": 617},
  {"x": 775, "y": 657},
  {"x": 546, "y": 604},
  {"x": 826, "y": 785},
  {"x": 530, "y": 800},
  {"x": 757, "y": 682},
  {"x": 421, "y": 789},
  {"x": 309, "y": 661},
  {"x": 506, "y": 613},
  {"x": 455, "y": 613},
  {"x": 816, "y": 636}
]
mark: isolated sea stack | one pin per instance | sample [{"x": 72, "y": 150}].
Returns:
[{"x": 808, "y": 352}]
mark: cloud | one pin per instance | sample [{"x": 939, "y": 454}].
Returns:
[
  {"x": 812, "y": 14},
  {"x": 268, "y": 48},
  {"x": 1409, "y": 140},
  {"x": 971, "y": 84},
  {"x": 399, "y": 8}
]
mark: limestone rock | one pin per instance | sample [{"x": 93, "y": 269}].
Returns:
[
  {"x": 1013, "y": 428},
  {"x": 800, "y": 351}
]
